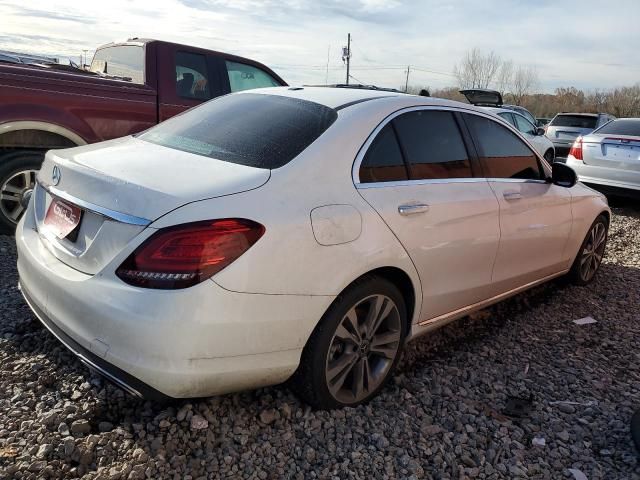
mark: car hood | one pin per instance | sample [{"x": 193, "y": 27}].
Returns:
[{"x": 142, "y": 179}]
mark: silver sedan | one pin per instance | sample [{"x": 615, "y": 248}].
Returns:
[{"x": 609, "y": 156}]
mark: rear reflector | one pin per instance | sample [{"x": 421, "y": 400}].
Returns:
[
  {"x": 187, "y": 254},
  {"x": 576, "y": 149}
]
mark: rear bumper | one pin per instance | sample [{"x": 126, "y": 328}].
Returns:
[
  {"x": 119, "y": 377},
  {"x": 195, "y": 342},
  {"x": 613, "y": 178}
]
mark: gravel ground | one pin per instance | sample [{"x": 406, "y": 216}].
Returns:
[{"x": 441, "y": 417}]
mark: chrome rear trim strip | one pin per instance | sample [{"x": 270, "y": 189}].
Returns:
[{"x": 105, "y": 212}]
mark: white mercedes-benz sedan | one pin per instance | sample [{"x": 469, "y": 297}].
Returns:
[{"x": 294, "y": 233}]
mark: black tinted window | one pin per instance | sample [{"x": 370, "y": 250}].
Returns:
[
  {"x": 433, "y": 145},
  {"x": 383, "y": 161},
  {"x": 577, "y": 121},
  {"x": 264, "y": 131},
  {"x": 621, "y": 127},
  {"x": 192, "y": 78},
  {"x": 502, "y": 153}
]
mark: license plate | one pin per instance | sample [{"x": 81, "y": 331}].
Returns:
[
  {"x": 62, "y": 218},
  {"x": 622, "y": 152}
]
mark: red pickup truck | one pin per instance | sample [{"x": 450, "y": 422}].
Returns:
[{"x": 129, "y": 87}]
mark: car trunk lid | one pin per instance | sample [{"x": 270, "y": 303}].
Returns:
[
  {"x": 120, "y": 187},
  {"x": 620, "y": 152},
  {"x": 483, "y": 97}
]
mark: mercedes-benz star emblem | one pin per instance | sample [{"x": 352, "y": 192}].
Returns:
[{"x": 56, "y": 175}]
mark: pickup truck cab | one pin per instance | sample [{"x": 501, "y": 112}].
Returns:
[{"x": 129, "y": 87}]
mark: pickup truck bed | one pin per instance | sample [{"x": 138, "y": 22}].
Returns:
[{"x": 132, "y": 86}]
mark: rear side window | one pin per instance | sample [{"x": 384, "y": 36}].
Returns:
[
  {"x": 191, "y": 76},
  {"x": 502, "y": 154},
  {"x": 123, "y": 61},
  {"x": 246, "y": 77},
  {"x": 263, "y": 131},
  {"x": 383, "y": 161},
  {"x": 433, "y": 145},
  {"x": 576, "y": 121},
  {"x": 508, "y": 117},
  {"x": 621, "y": 127}
]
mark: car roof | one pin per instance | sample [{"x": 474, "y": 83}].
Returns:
[
  {"x": 339, "y": 98},
  {"x": 580, "y": 114}
]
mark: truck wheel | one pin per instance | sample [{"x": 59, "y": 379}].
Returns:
[{"x": 18, "y": 171}]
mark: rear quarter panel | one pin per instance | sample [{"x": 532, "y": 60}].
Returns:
[{"x": 288, "y": 259}]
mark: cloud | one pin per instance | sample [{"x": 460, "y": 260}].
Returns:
[{"x": 575, "y": 42}]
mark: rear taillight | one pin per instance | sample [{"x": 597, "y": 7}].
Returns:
[
  {"x": 187, "y": 254},
  {"x": 576, "y": 149}
]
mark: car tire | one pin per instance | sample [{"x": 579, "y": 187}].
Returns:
[
  {"x": 18, "y": 171},
  {"x": 589, "y": 257},
  {"x": 549, "y": 156},
  {"x": 341, "y": 367}
]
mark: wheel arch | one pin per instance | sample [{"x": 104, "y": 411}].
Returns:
[
  {"x": 403, "y": 281},
  {"x": 36, "y": 134}
]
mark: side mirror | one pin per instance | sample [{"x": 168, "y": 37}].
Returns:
[
  {"x": 540, "y": 131},
  {"x": 562, "y": 175}
]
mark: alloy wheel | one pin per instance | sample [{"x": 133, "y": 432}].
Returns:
[
  {"x": 593, "y": 251},
  {"x": 363, "y": 349},
  {"x": 12, "y": 192}
]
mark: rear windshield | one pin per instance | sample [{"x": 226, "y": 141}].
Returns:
[
  {"x": 578, "y": 121},
  {"x": 257, "y": 130},
  {"x": 621, "y": 127},
  {"x": 123, "y": 61}
]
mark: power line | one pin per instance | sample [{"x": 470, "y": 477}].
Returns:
[{"x": 359, "y": 81}]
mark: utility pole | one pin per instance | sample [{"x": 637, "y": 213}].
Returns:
[
  {"x": 346, "y": 55},
  {"x": 406, "y": 83},
  {"x": 326, "y": 78}
]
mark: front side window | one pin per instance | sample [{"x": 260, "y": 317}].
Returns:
[
  {"x": 246, "y": 77},
  {"x": 524, "y": 125},
  {"x": 526, "y": 114},
  {"x": 263, "y": 131},
  {"x": 125, "y": 62},
  {"x": 191, "y": 76},
  {"x": 383, "y": 161},
  {"x": 502, "y": 154}
]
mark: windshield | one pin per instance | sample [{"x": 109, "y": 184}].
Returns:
[
  {"x": 257, "y": 130},
  {"x": 122, "y": 61},
  {"x": 621, "y": 127},
  {"x": 576, "y": 121}
]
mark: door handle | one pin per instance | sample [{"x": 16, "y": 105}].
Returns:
[
  {"x": 412, "y": 209},
  {"x": 511, "y": 195}
]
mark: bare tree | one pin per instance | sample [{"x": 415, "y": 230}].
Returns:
[
  {"x": 477, "y": 70},
  {"x": 525, "y": 81},
  {"x": 625, "y": 101},
  {"x": 505, "y": 77}
]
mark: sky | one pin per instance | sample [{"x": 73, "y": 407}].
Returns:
[{"x": 584, "y": 43}]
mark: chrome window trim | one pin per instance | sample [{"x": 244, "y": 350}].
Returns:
[
  {"x": 355, "y": 170},
  {"x": 92, "y": 207},
  {"x": 408, "y": 183}
]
